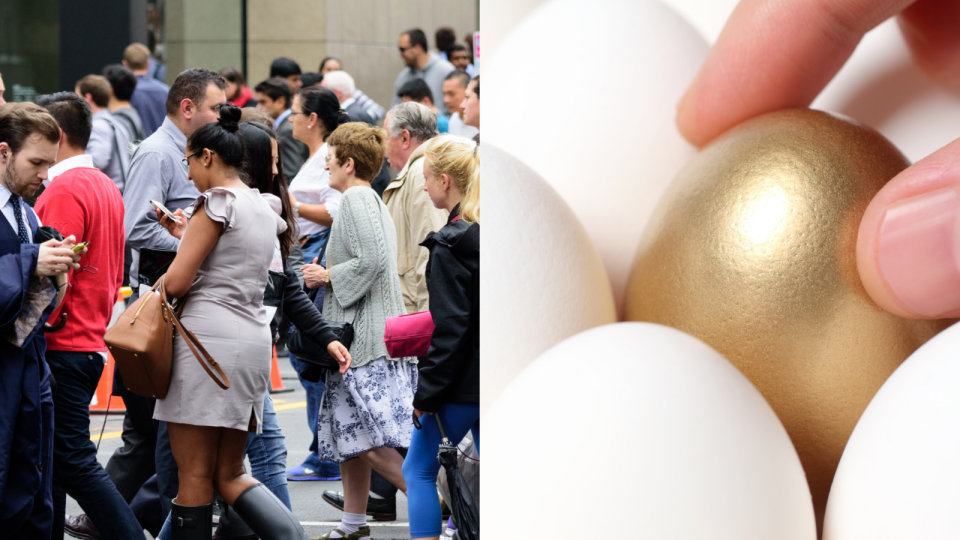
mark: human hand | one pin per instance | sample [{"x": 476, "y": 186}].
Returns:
[
  {"x": 338, "y": 351},
  {"x": 175, "y": 229},
  {"x": 314, "y": 275},
  {"x": 56, "y": 257},
  {"x": 418, "y": 413},
  {"x": 774, "y": 55}
]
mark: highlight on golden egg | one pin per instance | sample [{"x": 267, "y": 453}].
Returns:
[{"x": 753, "y": 250}]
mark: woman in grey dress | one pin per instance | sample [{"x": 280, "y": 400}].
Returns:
[
  {"x": 220, "y": 272},
  {"x": 365, "y": 413}
]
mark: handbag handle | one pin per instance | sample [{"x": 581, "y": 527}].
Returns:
[{"x": 192, "y": 341}]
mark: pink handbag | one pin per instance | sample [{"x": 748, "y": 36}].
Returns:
[{"x": 408, "y": 335}]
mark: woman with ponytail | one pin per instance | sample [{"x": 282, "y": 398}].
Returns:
[
  {"x": 220, "y": 272},
  {"x": 449, "y": 376},
  {"x": 315, "y": 114}
]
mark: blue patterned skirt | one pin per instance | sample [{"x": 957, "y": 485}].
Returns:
[{"x": 366, "y": 408}]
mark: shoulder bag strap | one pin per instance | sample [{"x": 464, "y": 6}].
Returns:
[
  {"x": 210, "y": 364},
  {"x": 116, "y": 147},
  {"x": 323, "y": 250}
]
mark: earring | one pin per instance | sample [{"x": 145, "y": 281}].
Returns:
[{"x": 206, "y": 163}]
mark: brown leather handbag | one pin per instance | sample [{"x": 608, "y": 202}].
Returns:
[{"x": 141, "y": 343}]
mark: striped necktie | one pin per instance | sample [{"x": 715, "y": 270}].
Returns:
[{"x": 21, "y": 228}]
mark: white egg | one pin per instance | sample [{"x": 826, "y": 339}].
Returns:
[
  {"x": 900, "y": 471},
  {"x": 542, "y": 278},
  {"x": 636, "y": 430},
  {"x": 498, "y": 17},
  {"x": 584, "y": 92}
]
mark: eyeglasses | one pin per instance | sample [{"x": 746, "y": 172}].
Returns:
[
  {"x": 292, "y": 113},
  {"x": 186, "y": 161}
]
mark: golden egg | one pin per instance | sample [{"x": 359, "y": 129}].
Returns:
[{"x": 753, "y": 250}]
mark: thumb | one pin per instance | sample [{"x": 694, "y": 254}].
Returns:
[
  {"x": 315, "y": 260},
  {"x": 908, "y": 247}
]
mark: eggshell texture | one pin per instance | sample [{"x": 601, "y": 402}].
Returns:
[
  {"x": 542, "y": 278},
  {"x": 753, "y": 251},
  {"x": 584, "y": 93},
  {"x": 660, "y": 435},
  {"x": 899, "y": 474},
  {"x": 498, "y": 18}
]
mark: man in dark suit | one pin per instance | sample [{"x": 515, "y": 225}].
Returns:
[
  {"x": 28, "y": 147},
  {"x": 273, "y": 96}
]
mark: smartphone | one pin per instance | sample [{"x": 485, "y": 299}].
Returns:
[
  {"x": 163, "y": 209},
  {"x": 79, "y": 247}
]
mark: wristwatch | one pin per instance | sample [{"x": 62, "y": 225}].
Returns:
[
  {"x": 296, "y": 210},
  {"x": 326, "y": 278}
]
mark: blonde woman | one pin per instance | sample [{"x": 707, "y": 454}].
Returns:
[{"x": 449, "y": 376}]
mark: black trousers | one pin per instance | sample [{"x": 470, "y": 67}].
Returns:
[
  {"x": 145, "y": 454},
  {"x": 76, "y": 470}
]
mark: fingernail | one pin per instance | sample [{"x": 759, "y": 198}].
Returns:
[{"x": 917, "y": 253}]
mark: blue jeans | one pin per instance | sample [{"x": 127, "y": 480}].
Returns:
[
  {"x": 268, "y": 454},
  {"x": 75, "y": 467},
  {"x": 420, "y": 467},
  {"x": 327, "y": 469},
  {"x": 268, "y": 459},
  {"x": 311, "y": 250}
]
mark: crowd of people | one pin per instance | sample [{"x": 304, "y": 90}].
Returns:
[{"x": 296, "y": 205}]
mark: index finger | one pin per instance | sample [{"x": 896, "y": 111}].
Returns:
[{"x": 772, "y": 55}]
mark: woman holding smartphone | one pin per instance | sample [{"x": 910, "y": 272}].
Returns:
[{"x": 220, "y": 272}]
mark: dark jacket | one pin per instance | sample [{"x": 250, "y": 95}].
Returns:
[
  {"x": 294, "y": 152},
  {"x": 450, "y": 373},
  {"x": 26, "y": 404},
  {"x": 302, "y": 313}
]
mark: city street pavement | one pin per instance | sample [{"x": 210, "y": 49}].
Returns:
[{"x": 313, "y": 512}]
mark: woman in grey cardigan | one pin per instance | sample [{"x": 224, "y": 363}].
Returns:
[{"x": 366, "y": 412}]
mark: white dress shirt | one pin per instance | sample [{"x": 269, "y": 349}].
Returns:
[
  {"x": 7, "y": 210},
  {"x": 312, "y": 186},
  {"x": 457, "y": 127},
  {"x": 83, "y": 160}
]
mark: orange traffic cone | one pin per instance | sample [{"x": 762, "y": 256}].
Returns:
[
  {"x": 104, "y": 391},
  {"x": 276, "y": 382}
]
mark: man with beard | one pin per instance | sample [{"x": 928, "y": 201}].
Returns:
[
  {"x": 28, "y": 147},
  {"x": 421, "y": 64}
]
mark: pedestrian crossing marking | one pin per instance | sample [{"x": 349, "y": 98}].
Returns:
[{"x": 288, "y": 406}]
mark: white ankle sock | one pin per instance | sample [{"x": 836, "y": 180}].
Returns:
[{"x": 351, "y": 523}]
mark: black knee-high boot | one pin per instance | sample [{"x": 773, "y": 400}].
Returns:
[
  {"x": 267, "y": 516},
  {"x": 191, "y": 522},
  {"x": 231, "y": 526}
]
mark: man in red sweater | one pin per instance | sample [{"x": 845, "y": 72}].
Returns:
[{"x": 80, "y": 200}]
